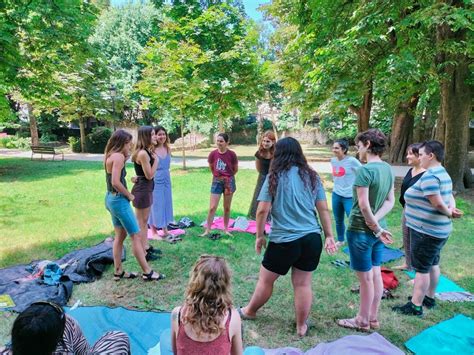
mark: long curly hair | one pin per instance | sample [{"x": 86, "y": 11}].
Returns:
[
  {"x": 270, "y": 135},
  {"x": 208, "y": 295},
  {"x": 288, "y": 153}
]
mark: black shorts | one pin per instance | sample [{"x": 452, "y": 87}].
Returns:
[
  {"x": 425, "y": 250},
  {"x": 302, "y": 253}
]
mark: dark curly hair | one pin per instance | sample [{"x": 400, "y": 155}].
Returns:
[
  {"x": 288, "y": 153},
  {"x": 378, "y": 141}
]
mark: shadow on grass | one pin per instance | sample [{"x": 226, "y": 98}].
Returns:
[
  {"x": 25, "y": 170},
  {"x": 47, "y": 251}
]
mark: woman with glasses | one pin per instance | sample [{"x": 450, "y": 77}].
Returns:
[
  {"x": 207, "y": 322},
  {"x": 43, "y": 329}
]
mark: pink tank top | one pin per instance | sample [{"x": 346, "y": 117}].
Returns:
[{"x": 187, "y": 346}]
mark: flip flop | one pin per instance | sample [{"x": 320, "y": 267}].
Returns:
[
  {"x": 243, "y": 315},
  {"x": 214, "y": 236},
  {"x": 340, "y": 263},
  {"x": 125, "y": 275},
  {"x": 309, "y": 325},
  {"x": 351, "y": 323}
]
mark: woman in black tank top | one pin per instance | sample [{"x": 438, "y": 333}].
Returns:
[{"x": 145, "y": 164}]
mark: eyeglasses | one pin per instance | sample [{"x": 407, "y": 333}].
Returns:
[{"x": 55, "y": 306}]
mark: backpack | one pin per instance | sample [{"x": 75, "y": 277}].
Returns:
[{"x": 389, "y": 279}]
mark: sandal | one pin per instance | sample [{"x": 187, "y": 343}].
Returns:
[
  {"x": 351, "y": 323},
  {"x": 374, "y": 324},
  {"x": 243, "y": 315},
  {"x": 170, "y": 239},
  {"x": 125, "y": 275},
  {"x": 153, "y": 276}
]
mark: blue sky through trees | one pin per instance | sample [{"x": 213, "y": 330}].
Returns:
[{"x": 250, "y": 7}]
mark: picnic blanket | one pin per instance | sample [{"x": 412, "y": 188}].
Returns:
[
  {"x": 452, "y": 336},
  {"x": 444, "y": 285},
  {"x": 218, "y": 223},
  {"x": 388, "y": 254},
  {"x": 144, "y": 328},
  {"x": 25, "y": 286},
  {"x": 351, "y": 344}
]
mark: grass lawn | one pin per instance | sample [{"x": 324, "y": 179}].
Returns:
[{"x": 50, "y": 208}]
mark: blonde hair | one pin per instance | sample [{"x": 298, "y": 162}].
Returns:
[
  {"x": 143, "y": 141},
  {"x": 208, "y": 295}
]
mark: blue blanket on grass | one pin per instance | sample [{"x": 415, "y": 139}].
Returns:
[
  {"x": 388, "y": 254},
  {"x": 452, "y": 336},
  {"x": 444, "y": 285},
  {"x": 143, "y": 328}
]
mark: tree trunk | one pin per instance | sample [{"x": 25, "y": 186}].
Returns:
[
  {"x": 455, "y": 103},
  {"x": 402, "y": 129},
  {"x": 363, "y": 112},
  {"x": 275, "y": 131},
  {"x": 221, "y": 125},
  {"x": 440, "y": 131},
  {"x": 33, "y": 125},
  {"x": 183, "y": 144},
  {"x": 259, "y": 129},
  {"x": 82, "y": 131}
]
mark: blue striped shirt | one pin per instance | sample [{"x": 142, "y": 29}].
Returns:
[{"x": 420, "y": 214}]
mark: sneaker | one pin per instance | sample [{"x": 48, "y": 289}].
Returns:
[
  {"x": 409, "y": 309},
  {"x": 428, "y": 302}
]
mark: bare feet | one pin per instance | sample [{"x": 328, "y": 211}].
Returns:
[{"x": 206, "y": 232}]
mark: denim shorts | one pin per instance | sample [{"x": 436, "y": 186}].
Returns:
[
  {"x": 365, "y": 250},
  {"x": 425, "y": 250},
  {"x": 219, "y": 186},
  {"x": 121, "y": 211}
]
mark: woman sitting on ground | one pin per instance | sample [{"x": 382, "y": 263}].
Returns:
[
  {"x": 207, "y": 323},
  {"x": 43, "y": 328}
]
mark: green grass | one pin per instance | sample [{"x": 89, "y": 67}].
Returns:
[{"x": 50, "y": 208}]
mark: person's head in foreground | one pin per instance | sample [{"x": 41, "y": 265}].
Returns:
[
  {"x": 38, "y": 329},
  {"x": 208, "y": 295},
  {"x": 207, "y": 323}
]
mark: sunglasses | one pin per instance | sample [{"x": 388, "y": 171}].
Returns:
[{"x": 55, "y": 306}]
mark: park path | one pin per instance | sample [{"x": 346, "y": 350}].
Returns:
[{"x": 321, "y": 167}]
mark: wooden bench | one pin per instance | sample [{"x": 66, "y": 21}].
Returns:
[{"x": 41, "y": 149}]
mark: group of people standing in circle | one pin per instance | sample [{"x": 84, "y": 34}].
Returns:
[{"x": 292, "y": 193}]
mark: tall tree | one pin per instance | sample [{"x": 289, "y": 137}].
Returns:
[
  {"x": 121, "y": 35},
  {"x": 171, "y": 79},
  {"x": 50, "y": 38}
]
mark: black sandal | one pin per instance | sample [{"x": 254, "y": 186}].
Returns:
[
  {"x": 149, "y": 276},
  {"x": 125, "y": 275}
]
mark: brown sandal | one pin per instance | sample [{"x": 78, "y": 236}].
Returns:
[{"x": 351, "y": 323}]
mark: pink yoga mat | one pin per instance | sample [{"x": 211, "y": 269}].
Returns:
[
  {"x": 218, "y": 223},
  {"x": 161, "y": 234}
]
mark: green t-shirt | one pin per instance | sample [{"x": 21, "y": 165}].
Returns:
[{"x": 378, "y": 177}]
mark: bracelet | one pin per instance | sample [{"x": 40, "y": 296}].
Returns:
[{"x": 379, "y": 233}]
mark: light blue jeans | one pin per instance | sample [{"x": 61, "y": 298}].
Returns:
[{"x": 340, "y": 205}]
